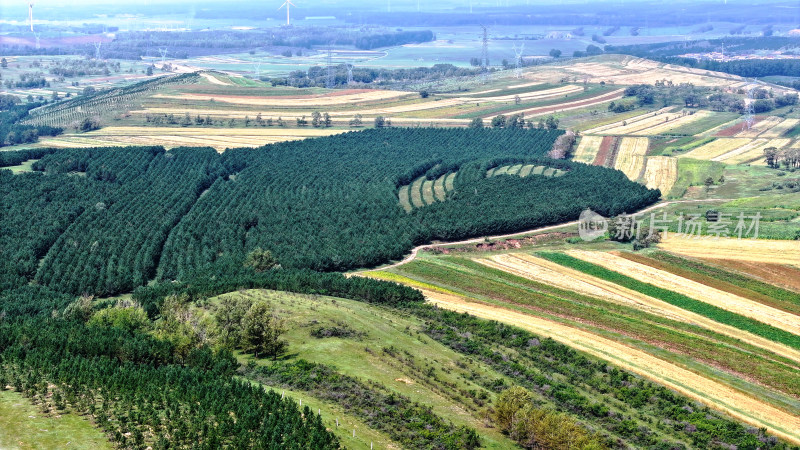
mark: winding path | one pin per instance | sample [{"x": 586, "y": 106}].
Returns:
[{"x": 413, "y": 255}]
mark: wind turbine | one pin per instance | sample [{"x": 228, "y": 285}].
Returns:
[
  {"x": 30, "y": 19},
  {"x": 287, "y": 3}
]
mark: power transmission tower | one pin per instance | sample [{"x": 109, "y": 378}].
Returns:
[
  {"x": 330, "y": 80},
  {"x": 349, "y": 74},
  {"x": 97, "y": 49},
  {"x": 163, "y": 52},
  {"x": 749, "y": 118},
  {"x": 257, "y": 67},
  {"x": 518, "y": 55},
  {"x": 485, "y": 53}
]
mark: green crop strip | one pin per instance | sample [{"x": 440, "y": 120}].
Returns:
[{"x": 712, "y": 312}]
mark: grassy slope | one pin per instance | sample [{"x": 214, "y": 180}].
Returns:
[
  {"x": 716, "y": 356},
  {"x": 23, "y": 426},
  {"x": 422, "y": 371}
]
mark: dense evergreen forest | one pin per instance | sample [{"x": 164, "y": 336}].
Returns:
[
  {"x": 109, "y": 220},
  {"x": 12, "y": 132}
]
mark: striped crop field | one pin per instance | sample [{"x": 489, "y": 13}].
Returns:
[
  {"x": 750, "y": 250},
  {"x": 572, "y": 279},
  {"x": 587, "y": 149},
  {"x": 756, "y": 154},
  {"x": 524, "y": 171},
  {"x": 660, "y": 173},
  {"x": 603, "y": 129},
  {"x": 675, "y": 123},
  {"x": 698, "y": 291},
  {"x": 170, "y": 137},
  {"x": 716, "y": 148},
  {"x": 701, "y": 341},
  {"x": 780, "y": 129},
  {"x": 760, "y": 127},
  {"x": 631, "y": 155}
]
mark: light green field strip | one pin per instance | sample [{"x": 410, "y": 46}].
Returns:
[
  {"x": 23, "y": 426},
  {"x": 549, "y": 172},
  {"x": 501, "y": 171},
  {"x": 587, "y": 149},
  {"x": 438, "y": 189},
  {"x": 415, "y": 194},
  {"x": 490, "y": 172},
  {"x": 538, "y": 170},
  {"x": 427, "y": 192},
  {"x": 526, "y": 170},
  {"x": 514, "y": 170},
  {"x": 449, "y": 182},
  {"x": 404, "y": 200}
]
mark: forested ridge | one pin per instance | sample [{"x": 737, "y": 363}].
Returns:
[{"x": 110, "y": 220}]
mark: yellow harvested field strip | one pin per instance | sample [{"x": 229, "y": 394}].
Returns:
[
  {"x": 534, "y": 95},
  {"x": 778, "y": 130},
  {"x": 630, "y": 158},
  {"x": 753, "y": 144},
  {"x": 514, "y": 170},
  {"x": 692, "y": 289},
  {"x": 322, "y": 100},
  {"x": 639, "y": 125},
  {"x": 539, "y": 269},
  {"x": 754, "y": 250},
  {"x": 715, "y": 148},
  {"x": 629, "y": 121},
  {"x": 757, "y": 153},
  {"x": 588, "y": 148},
  {"x": 760, "y": 127},
  {"x": 660, "y": 173},
  {"x": 707, "y": 391},
  {"x": 526, "y": 170},
  {"x": 541, "y": 110},
  {"x": 666, "y": 127}
]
